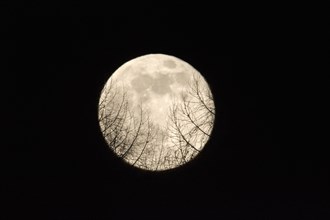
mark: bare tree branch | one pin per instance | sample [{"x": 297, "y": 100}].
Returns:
[{"x": 191, "y": 119}]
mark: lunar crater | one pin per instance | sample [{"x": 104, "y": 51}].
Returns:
[
  {"x": 141, "y": 82},
  {"x": 169, "y": 64},
  {"x": 161, "y": 84}
]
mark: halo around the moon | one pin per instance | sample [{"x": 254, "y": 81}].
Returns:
[{"x": 156, "y": 112}]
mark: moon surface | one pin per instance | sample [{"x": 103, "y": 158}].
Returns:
[{"x": 156, "y": 112}]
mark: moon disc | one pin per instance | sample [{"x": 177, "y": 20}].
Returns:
[{"x": 156, "y": 112}]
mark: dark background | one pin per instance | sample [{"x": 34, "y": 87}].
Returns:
[{"x": 261, "y": 162}]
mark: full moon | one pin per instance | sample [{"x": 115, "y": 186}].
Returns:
[{"x": 156, "y": 112}]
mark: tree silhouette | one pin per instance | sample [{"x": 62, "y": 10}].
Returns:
[
  {"x": 129, "y": 133},
  {"x": 191, "y": 120},
  {"x": 132, "y": 135}
]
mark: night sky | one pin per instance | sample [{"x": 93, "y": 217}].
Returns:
[{"x": 259, "y": 163}]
